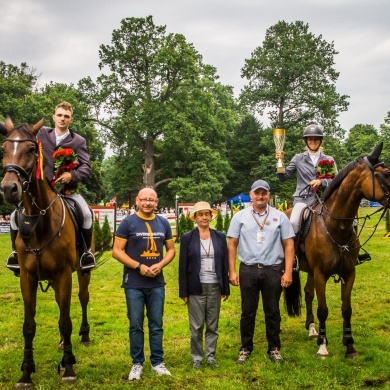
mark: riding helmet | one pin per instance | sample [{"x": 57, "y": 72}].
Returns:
[{"x": 313, "y": 131}]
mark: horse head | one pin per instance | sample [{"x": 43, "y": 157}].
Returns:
[
  {"x": 377, "y": 184},
  {"x": 20, "y": 153}
]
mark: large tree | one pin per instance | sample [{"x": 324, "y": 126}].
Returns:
[
  {"x": 158, "y": 104},
  {"x": 23, "y": 101},
  {"x": 292, "y": 78}
]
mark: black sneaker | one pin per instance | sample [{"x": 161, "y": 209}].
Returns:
[
  {"x": 275, "y": 356},
  {"x": 211, "y": 362},
  {"x": 243, "y": 356},
  {"x": 197, "y": 364}
]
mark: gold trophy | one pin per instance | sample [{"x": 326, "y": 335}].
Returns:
[{"x": 279, "y": 137}]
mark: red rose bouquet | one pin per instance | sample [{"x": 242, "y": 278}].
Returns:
[
  {"x": 325, "y": 169},
  {"x": 64, "y": 161}
]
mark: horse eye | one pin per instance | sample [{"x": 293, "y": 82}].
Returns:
[{"x": 31, "y": 150}]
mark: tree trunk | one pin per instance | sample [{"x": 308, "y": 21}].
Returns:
[{"x": 148, "y": 165}]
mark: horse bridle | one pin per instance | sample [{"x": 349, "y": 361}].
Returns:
[
  {"x": 21, "y": 172},
  {"x": 381, "y": 181}
]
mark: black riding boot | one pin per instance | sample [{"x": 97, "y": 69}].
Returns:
[
  {"x": 87, "y": 259},
  {"x": 12, "y": 261}
]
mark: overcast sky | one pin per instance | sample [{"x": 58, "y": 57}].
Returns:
[{"x": 60, "y": 39}]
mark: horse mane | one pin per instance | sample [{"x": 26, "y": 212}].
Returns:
[
  {"x": 23, "y": 128},
  {"x": 338, "y": 178}
]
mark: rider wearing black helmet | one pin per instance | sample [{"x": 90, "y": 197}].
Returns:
[{"x": 305, "y": 166}]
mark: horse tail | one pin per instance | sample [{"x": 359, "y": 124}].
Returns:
[{"x": 293, "y": 296}]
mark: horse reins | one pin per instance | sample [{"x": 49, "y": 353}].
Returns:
[
  {"x": 21, "y": 172},
  {"x": 386, "y": 191}
]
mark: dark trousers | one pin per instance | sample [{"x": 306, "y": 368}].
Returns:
[{"x": 266, "y": 280}]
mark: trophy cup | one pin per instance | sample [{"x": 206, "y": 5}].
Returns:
[{"x": 279, "y": 137}]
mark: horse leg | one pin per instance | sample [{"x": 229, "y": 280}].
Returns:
[
  {"x": 84, "y": 299},
  {"x": 309, "y": 297},
  {"x": 63, "y": 291},
  {"x": 29, "y": 292},
  {"x": 346, "y": 311},
  {"x": 322, "y": 313}
]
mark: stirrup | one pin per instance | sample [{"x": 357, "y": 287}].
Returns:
[
  {"x": 363, "y": 258},
  {"x": 12, "y": 262},
  {"x": 87, "y": 261}
]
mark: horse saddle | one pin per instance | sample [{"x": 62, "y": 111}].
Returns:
[
  {"x": 305, "y": 219},
  {"x": 27, "y": 223},
  {"x": 75, "y": 212}
]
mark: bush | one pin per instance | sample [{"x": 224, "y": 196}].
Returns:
[
  {"x": 190, "y": 223},
  {"x": 219, "y": 223},
  {"x": 97, "y": 231},
  {"x": 106, "y": 235},
  {"x": 182, "y": 224},
  {"x": 226, "y": 223}
]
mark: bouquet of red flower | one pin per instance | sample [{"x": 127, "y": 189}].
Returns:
[
  {"x": 65, "y": 159},
  {"x": 325, "y": 169}
]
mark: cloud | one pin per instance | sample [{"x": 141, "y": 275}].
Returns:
[{"x": 61, "y": 39}]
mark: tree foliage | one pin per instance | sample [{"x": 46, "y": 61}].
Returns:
[
  {"x": 291, "y": 77},
  {"x": 23, "y": 101},
  {"x": 165, "y": 115}
]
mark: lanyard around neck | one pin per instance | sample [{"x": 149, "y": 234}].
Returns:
[
  {"x": 207, "y": 252},
  {"x": 262, "y": 224}
]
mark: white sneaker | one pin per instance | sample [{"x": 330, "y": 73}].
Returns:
[
  {"x": 160, "y": 369},
  {"x": 136, "y": 372}
]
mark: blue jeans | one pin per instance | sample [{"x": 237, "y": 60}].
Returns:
[{"x": 153, "y": 300}]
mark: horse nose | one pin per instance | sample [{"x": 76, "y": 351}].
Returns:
[{"x": 10, "y": 192}]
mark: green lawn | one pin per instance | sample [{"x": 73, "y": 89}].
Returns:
[{"x": 106, "y": 363}]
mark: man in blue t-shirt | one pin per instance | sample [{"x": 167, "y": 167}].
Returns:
[{"x": 139, "y": 245}]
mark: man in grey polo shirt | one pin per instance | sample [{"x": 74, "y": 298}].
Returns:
[{"x": 264, "y": 238}]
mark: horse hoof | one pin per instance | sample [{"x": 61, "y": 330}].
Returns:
[
  {"x": 69, "y": 379},
  {"x": 312, "y": 331},
  {"x": 322, "y": 351},
  {"x": 86, "y": 343},
  {"x": 23, "y": 385},
  {"x": 352, "y": 355}
]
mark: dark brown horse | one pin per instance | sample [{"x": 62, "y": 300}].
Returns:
[
  {"x": 46, "y": 244},
  {"x": 331, "y": 246}
]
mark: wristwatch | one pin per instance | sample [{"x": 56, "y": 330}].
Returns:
[{"x": 138, "y": 267}]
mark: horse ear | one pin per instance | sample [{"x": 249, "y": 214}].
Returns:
[
  {"x": 38, "y": 125},
  {"x": 374, "y": 156},
  {"x": 3, "y": 129},
  {"x": 9, "y": 125}
]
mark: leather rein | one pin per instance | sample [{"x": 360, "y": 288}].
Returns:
[
  {"x": 25, "y": 178},
  {"x": 375, "y": 175}
]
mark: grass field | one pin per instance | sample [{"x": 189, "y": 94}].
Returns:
[{"x": 106, "y": 363}]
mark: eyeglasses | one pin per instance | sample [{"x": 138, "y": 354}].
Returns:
[
  {"x": 66, "y": 116},
  {"x": 145, "y": 200}
]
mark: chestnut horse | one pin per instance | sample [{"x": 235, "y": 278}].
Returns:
[
  {"x": 45, "y": 245},
  {"x": 331, "y": 245}
]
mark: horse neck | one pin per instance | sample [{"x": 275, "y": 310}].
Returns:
[
  {"x": 38, "y": 197},
  {"x": 344, "y": 203}
]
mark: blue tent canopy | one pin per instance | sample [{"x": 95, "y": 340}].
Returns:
[{"x": 240, "y": 198}]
